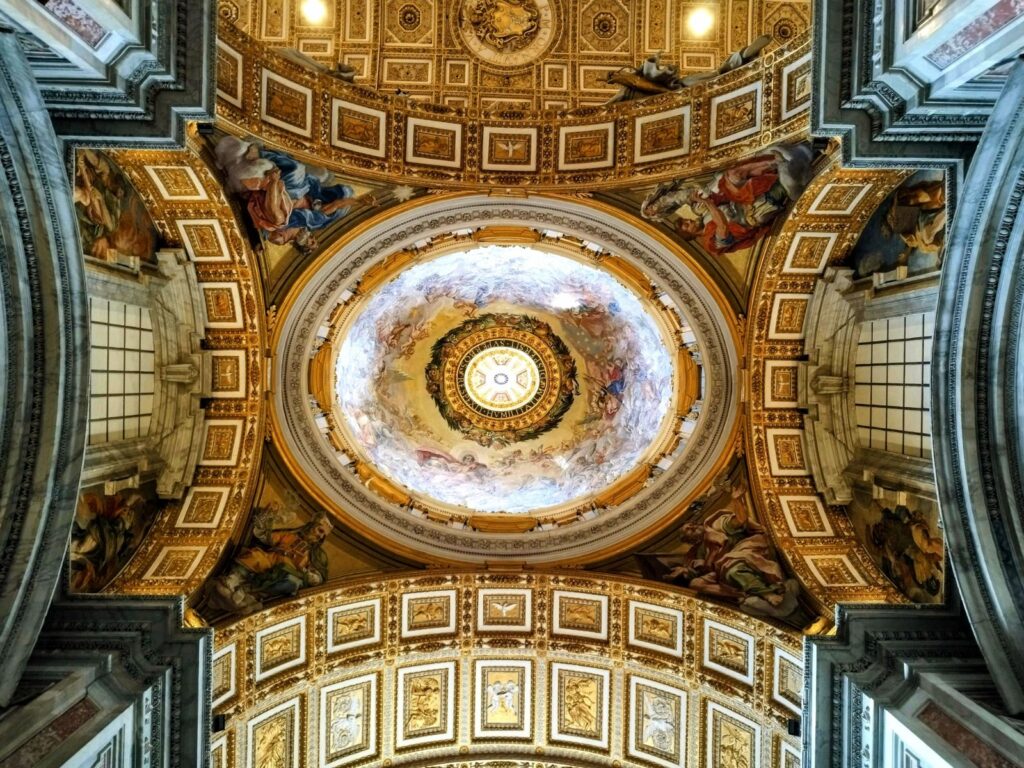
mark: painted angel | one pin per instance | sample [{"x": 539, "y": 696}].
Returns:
[
  {"x": 580, "y": 705},
  {"x": 510, "y": 696},
  {"x": 496, "y": 697},
  {"x": 467, "y": 465},
  {"x": 502, "y": 696}
]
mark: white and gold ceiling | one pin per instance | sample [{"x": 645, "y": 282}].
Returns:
[
  {"x": 462, "y": 359},
  {"x": 491, "y": 668},
  {"x": 511, "y": 54},
  {"x": 309, "y": 111}
]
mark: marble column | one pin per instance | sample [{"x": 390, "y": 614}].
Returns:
[
  {"x": 152, "y": 71},
  {"x": 978, "y": 393},
  {"x": 44, "y": 362}
]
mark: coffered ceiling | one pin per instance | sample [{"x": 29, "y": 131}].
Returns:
[
  {"x": 529, "y": 54},
  {"x": 497, "y": 669}
]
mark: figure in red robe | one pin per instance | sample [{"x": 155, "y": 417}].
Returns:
[{"x": 737, "y": 208}]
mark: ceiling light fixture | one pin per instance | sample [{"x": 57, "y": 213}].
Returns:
[
  {"x": 700, "y": 21},
  {"x": 314, "y": 11}
]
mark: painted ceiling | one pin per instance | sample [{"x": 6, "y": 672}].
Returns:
[
  {"x": 431, "y": 353},
  {"x": 526, "y": 54},
  {"x": 428, "y": 358},
  {"x": 495, "y": 381},
  {"x": 621, "y": 432}
]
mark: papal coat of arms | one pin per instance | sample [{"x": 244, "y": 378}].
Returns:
[{"x": 505, "y": 25}]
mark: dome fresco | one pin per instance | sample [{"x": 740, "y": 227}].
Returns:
[
  {"x": 384, "y": 417},
  {"x": 504, "y": 379}
]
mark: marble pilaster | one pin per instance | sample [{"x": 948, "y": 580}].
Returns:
[
  {"x": 903, "y": 89},
  {"x": 978, "y": 394},
  {"x": 152, "y": 70},
  {"x": 898, "y": 686},
  {"x": 113, "y": 681},
  {"x": 44, "y": 359}
]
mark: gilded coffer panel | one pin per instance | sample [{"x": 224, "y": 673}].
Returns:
[{"x": 429, "y": 120}]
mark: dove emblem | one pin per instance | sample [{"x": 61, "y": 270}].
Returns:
[{"x": 504, "y": 610}]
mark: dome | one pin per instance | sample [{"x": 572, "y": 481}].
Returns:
[
  {"x": 536, "y": 382},
  {"x": 482, "y": 379}
]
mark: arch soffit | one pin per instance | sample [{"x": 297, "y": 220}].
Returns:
[
  {"x": 821, "y": 230},
  {"x": 352, "y": 129},
  {"x": 284, "y": 663},
  {"x": 186, "y": 201}
]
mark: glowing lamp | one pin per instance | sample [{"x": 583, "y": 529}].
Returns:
[
  {"x": 700, "y": 21},
  {"x": 314, "y": 11}
]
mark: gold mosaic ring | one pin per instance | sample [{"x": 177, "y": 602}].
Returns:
[{"x": 502, "y": 378}]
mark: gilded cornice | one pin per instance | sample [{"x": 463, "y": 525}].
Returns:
[{"x": 184, "y": 196}]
